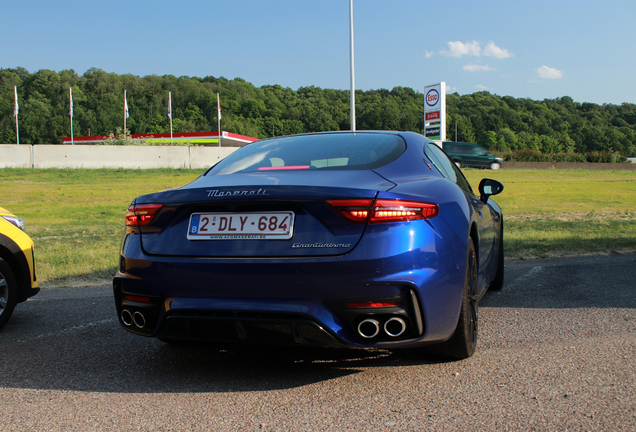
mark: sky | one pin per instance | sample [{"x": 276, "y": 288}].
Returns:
[{"x": 526, "y": 49}]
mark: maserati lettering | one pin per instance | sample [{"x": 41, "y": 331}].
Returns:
[{"x": 218, "y": 193}]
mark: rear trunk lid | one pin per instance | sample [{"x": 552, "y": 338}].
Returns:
[{"x": 257, "y": 215}]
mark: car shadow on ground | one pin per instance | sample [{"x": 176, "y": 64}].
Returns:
[{"x": 40, "y": 350}]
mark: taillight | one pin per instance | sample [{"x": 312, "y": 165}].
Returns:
[
  {"x": 356, "y": 210},
  {"x": 373, "y": 304},
  {"x": 141, "y": 214},
  {"x": 383, "y": 210},
  {"x": 137, "y": 298}
]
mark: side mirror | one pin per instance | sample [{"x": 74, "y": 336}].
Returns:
[{"x": 489, "y": 187}]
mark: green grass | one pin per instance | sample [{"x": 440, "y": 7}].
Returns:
[
  {"x": 565, "y": 212},
  {"x": 76, "y": 217}
]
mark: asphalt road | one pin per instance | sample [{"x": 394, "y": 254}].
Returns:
[{"x": 557, "y": 351}]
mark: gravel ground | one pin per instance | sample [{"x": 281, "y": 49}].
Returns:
[{"x": 556, "y": 352}]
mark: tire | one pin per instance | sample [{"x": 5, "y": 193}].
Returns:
[
  {"x": 495, "y": 166},
  {"x": 498, "y": 281},
  {"x": 8, "y": 292},
  {"x": 459, "y": 164},
  {"x": 464, "y": 341}
]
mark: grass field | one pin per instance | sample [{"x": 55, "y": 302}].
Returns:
[{"x": 76, "y": 217}]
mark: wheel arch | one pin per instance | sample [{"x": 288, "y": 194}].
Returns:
[{"x": 11, "y": 253}]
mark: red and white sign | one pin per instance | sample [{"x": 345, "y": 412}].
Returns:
[
  {"x": 435, "y": 111},
  {"x": 433, "y": 115}
]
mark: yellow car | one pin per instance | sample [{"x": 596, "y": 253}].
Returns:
[{"x": 17, "y": 265}]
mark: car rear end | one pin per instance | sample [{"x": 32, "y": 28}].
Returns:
[{"x": 289, "y": 256}]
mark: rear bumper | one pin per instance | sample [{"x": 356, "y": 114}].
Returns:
[{"x": 294, "y": 300}]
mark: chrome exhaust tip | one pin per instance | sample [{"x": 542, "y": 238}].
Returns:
[
  {"x": 394, "y": 327},
  {"x": 139, "y": 319},
  {"x": 369, "y": 328},
  {"x": 126, "y": 317}
]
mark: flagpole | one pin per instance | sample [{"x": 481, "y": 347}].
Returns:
[
  {"x": 15, "y": 113},
  {"x": 170, "y": 114},
  {"x": 70, "y": 92},
  {"x": 218, "y": 104},
  {"x": 125, "y": 112}
]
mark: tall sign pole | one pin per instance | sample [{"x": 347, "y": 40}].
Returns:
[
  {"x": 15, "y": 113},
  {"x": 353, "y": 81},
  {"x": 435, "y": 112}
]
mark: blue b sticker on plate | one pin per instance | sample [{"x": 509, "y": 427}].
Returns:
[{"x": 194, "y": 224}]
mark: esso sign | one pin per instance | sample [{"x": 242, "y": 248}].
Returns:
[{"x": 432, "y": 98}]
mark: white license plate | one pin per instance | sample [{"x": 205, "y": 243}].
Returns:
[{"x": 241, "y": 226}]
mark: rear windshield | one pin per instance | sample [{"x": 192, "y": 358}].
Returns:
[{"x": 356, "y": 151}]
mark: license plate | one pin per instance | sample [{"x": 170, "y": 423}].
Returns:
[{"x": 241, "y": 226}]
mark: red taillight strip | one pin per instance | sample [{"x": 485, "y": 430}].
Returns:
[
  {"x": 375, "y": 304},
  {"x": 383, "y": 210},
  {"x": 291, "y": 167},
  {"x": 137, "y": 298},
  {"x": 141, "y": 214},
  {"x": 355, "y": 210}
]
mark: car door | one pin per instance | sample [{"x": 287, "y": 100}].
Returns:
[{"x": 485, "y": 223}]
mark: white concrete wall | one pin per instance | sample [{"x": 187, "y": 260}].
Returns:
[
  {"x": 204, "y": 157},
  {"x": 98, "y": 156},
  {"x": 15, "y": 156}
]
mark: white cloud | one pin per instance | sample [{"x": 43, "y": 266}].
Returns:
[
  {"x": 429, "y": 54},
  {"x": 481, "y": 87},
  {"x": 477, "y": 68},
  {"x": 493, "y": 50},
  {"x": 458, "y": 49},
  {"x": 549, "y": 73},
  {"x": 473, "y": 49}
]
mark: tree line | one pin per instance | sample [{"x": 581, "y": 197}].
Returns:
[{"x": 500, "y": 123}]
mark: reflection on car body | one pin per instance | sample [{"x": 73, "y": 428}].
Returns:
[{"x": 471, "y": 155}]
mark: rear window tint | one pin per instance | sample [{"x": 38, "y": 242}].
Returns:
[{"x": 359, "y": 151}]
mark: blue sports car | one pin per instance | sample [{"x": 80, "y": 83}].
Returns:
[{"x": 349, "y": 239}]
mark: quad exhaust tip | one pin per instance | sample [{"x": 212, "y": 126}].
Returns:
[
  {"x": 394, "y": 327},
  {"x": 139, "y": 320},
  {"x": 369, "y": 328},
  {"x": 130, "y": 318},
  {"x": 126, "y": 317}
]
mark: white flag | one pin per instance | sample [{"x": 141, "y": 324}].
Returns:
[
  {"x": 170, "y": 105},
  {"x": 15, "y": 102},
  {"x": 70, "y": 111},
  {"x": 126, "y": 106},
  {"x": 218, "y": 104}
]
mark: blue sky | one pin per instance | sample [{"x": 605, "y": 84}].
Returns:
[{"x": 526, "y": 49}]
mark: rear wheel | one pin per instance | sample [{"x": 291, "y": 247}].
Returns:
[
  {"x": 463, "y": 342},
  {"x": 495, "y": 165},
  {"x": 8, "y": 292}
]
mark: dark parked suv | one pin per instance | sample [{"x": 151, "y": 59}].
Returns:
[{"x": 471, "y": 155}]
